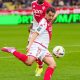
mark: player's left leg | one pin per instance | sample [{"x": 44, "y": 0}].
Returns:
[
  {"x": 28, "y": 60},
  {"x": 51, "y": 66}
]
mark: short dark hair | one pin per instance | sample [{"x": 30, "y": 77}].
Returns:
[{"x": 51, "y": 9}]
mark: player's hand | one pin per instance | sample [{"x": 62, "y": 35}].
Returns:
[
  {"x": 27, "y": 49},
  {"x": 56, "y": 14},
  {"x": 30, "y": 27}
]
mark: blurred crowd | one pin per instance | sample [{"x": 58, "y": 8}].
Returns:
[
  {"x": 15, "y": 4},
  {"x": 67, "y": 3},
  {"x": 26, "y": 4}
]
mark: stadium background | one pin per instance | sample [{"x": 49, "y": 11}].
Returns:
[{"x": 14, "y": 32}]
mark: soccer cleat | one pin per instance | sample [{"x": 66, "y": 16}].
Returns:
[
  {"x": 38, "y": 71},
  {"x": 8, "y": 49}
]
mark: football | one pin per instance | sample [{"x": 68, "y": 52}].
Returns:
[{"x": 59, "y": 51}]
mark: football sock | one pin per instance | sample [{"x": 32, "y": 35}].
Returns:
[
  {"x": 40, "y": 63},
  {"x": 20, "y": 56},
  {"x": 48, "y": 73}
]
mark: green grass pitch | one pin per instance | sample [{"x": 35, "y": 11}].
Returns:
[{"x": 66, "y": 35}]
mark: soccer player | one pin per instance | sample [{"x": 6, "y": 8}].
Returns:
[
  {"x": 39, "y": 8},
  {"x": 38, "y": 45}
]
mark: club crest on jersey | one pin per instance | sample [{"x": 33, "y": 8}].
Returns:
[{"x": 43, "y": 7}]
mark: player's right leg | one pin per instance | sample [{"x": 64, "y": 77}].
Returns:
[
  {"x": 49, "y": 60},
  {"x": 28, "y": 60}
]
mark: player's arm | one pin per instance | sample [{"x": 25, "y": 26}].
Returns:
[
  {"x": 39, "y": 30},
  {"x": 34, "y": 36},
  {"x": 56, "y": 14}
]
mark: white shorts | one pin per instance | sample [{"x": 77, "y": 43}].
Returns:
[{"x": 38, "y": 51}]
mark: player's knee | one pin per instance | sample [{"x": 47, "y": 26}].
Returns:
[
  {"x": 53, "y": 65},
  {"x": 28, "y": 63}
]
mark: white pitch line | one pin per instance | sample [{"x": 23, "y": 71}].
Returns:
[
  {"x": 72, "y": 51},
  {"x": 72, "y": 45}
]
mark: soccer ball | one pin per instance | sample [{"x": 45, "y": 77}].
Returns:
[{"x": 58, "y": 51}]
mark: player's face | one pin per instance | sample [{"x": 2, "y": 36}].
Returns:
[
  {"x": 40, "y": 1},
  {"x": 49, "y": 16}
]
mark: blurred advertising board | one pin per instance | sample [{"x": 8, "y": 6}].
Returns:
[{"x": 67, "y": 15}]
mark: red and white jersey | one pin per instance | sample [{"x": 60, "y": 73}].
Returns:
[
  {"x": 39, "y": 11},
  {"x": 45, "y": 32}
]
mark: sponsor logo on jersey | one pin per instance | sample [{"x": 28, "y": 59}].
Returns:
[{"x": 36, "y": 11}]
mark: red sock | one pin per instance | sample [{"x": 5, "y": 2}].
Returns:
[
  {"x": 48, "y": 73},
  {"x": 40, "y": 63},
  {"x": 20, "y": 56}
]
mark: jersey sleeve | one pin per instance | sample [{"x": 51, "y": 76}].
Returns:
[{"x": 41, "y": 27}]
